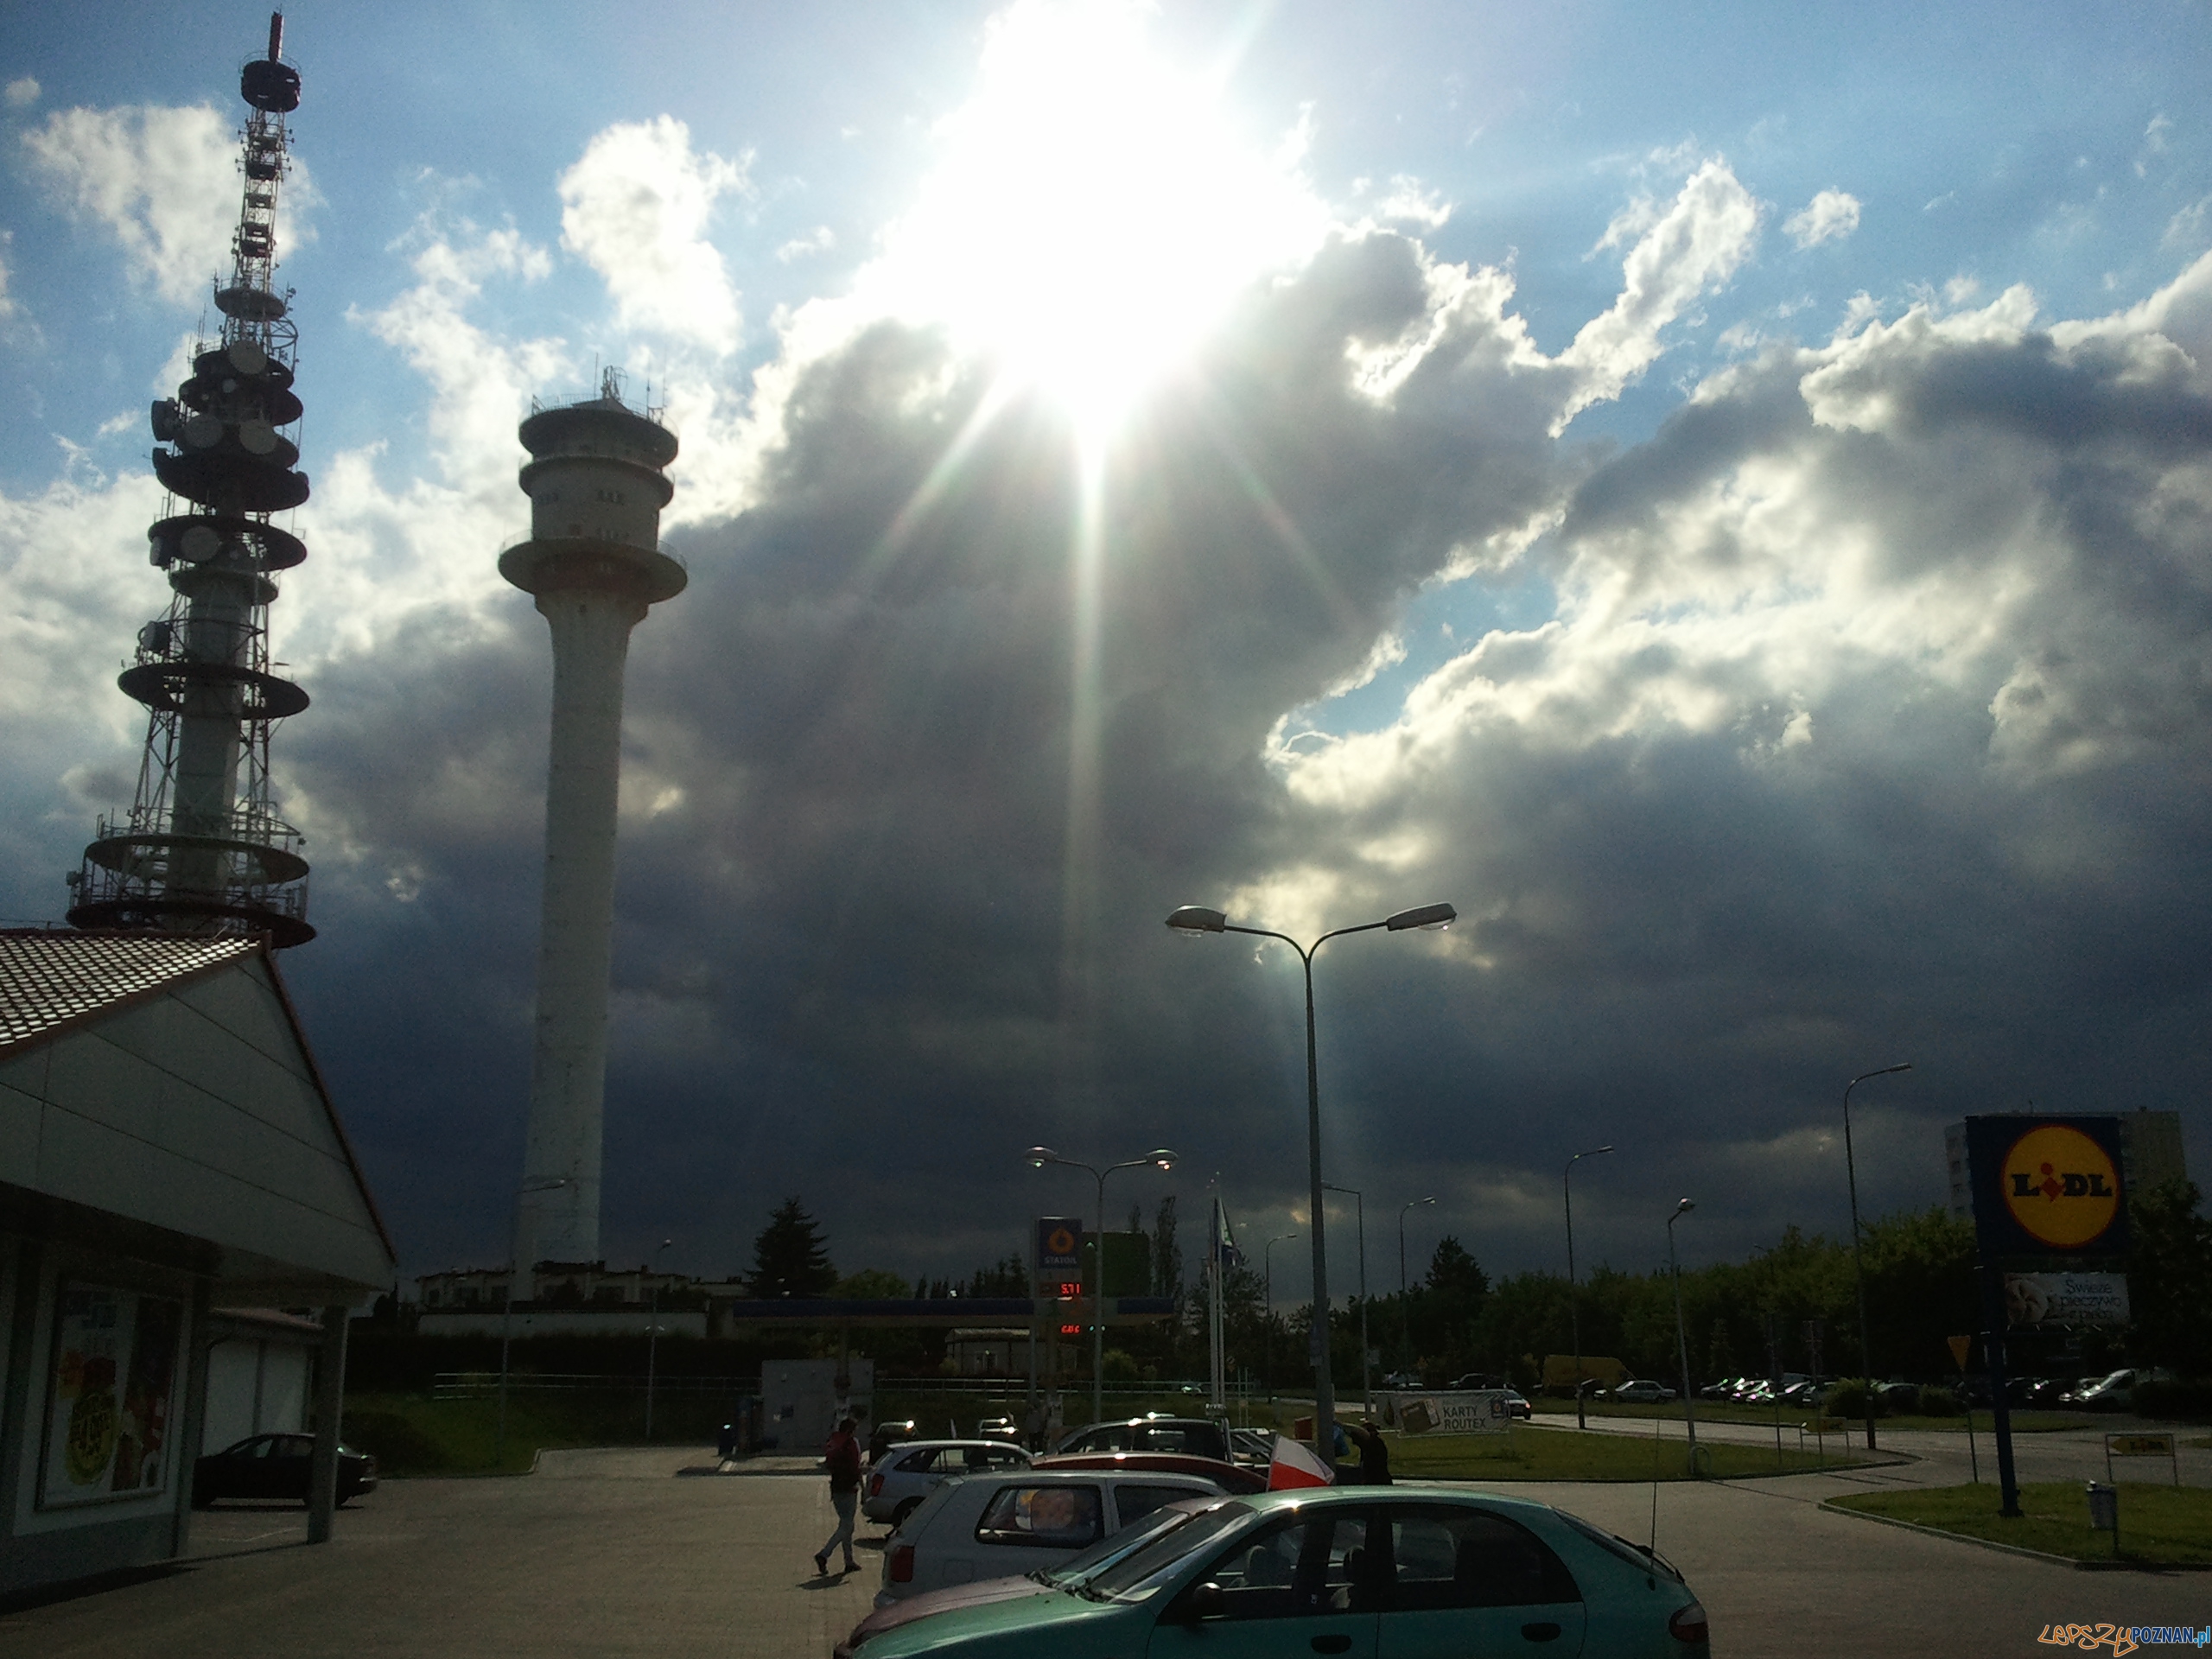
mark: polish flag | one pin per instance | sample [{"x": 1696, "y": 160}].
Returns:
[{"x": 1294, "y": 1466}]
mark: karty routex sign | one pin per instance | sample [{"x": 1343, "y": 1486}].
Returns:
[{"x": 2047, "y": 1188}]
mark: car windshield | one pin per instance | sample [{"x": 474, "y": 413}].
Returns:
[
  {"x": 1136, "y": 1575},
  {"x": 1110, "y": 1549}
]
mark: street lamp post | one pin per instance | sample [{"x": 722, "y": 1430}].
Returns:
[
  {"x": 1268, "y": 1276},
  {"x": 1573, "y": 1297},
  {"x": 1681, "y": 1331},
  {"x": 1858, "y": 1257},
  {"x": 1359, "y": 1209},
  {"x": 1038, "y": 1157},
  {"x": 507, "y": 1311},
  {"x": 1197, "y": 918},
  {"x": 652, "y": 1337},
  {"x": 1405, "y": 1313}
]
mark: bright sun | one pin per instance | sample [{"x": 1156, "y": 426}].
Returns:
[{"x": 1092, "y": 212}]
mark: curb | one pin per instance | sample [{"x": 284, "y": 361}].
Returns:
[{"x": 2079, "y": 1566}]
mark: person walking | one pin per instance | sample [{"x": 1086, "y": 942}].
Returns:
[{"x": 842, "y": 1458}]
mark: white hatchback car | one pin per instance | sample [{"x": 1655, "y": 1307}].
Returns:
[
  {"x": 906, "y": 1474},
  {"x": 1002, "y": 1526}
]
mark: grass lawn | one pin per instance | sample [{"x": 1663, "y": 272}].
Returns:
[
  {"x": 2156, "y": 1523},
  {"x": 415, "y": 1434},
  {"x": 1555, "y": 1454},
  {"x": 1713, "y": 1411}
]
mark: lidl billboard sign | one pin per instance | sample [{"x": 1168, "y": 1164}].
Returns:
[{"x": 2046, "y": 1186}]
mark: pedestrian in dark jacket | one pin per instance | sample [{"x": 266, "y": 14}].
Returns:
[
  {"x": 1373, "y": 1468},
  {"x": 842, "y": 1458}
]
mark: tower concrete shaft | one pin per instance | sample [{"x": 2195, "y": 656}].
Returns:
[{"x": 593, "y": 564}]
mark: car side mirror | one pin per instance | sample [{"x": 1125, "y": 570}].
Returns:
[{"x": 1207, "y": 1600}]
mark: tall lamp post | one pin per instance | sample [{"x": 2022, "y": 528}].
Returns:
[
  {"x": 1197, "y": 918},
  {"x": 1858, "y": 1255},
  {"x": 1267, "y": 1277},
  {"x": 1681, "y": 1331},
  {"x": 1573, "y": 1297},
  {"x": 652, "y": 1337},
  {"x": 1038, "y": 1157},
  {"x": 1359, "y": 1209},
  {"x": 507, "y": 1310},
  {"x": 1405, "y": 1313}
]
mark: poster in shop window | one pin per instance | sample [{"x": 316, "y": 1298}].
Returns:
[{"x": 109, "y": 1396}]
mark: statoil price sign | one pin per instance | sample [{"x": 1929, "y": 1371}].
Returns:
[
  {"x": 1060, "y": 1246},
  {"x": 2046, "y": 1186}
]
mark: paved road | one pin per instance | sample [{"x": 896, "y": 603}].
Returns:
[
  {"x": 623, "y": 1552},
  {"x": 1944, "y": 1458}
]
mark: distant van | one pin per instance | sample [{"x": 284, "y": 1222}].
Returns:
[{"x": 1558, "y": 1372}]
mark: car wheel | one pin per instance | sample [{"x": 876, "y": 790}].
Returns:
[{"x": 898, "y": 1516}]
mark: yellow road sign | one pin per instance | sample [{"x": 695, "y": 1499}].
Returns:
[{"x": 1960, "y": 1345}]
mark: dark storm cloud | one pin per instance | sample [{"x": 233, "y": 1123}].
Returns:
[{"x": 1869, "y": 727}]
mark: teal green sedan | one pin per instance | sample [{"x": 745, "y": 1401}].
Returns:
[{"x": 1363, "y": 1572}]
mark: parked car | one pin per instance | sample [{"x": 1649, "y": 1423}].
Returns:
[
  {"x": 999, "y": 1428},
  {"x": 1021, "y": 1522},
  {"x": 888, "y": 1434},
  {"x": 1200, "y": 1436},
  {"x": 1234, "y": 1478},
  {"x": 2115, "y": 1392},
  {"x": 1402, "y": 1380},
  {"x": 905, "y": 1477},
  {"x": 1252, "y": 1445},
  {"x": 276, "y": 1467},
  {"x": 1517, "y": 1406},
  {"x": 1474, "y": 1379},
  {"x": 1396, "y": 1569},
  {"x": 1643, "y": 1393}
]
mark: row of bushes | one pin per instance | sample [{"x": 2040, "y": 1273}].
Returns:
[
  {"x": 2185, "y": 1403},
  {"x": 1847, "y": 1398}
]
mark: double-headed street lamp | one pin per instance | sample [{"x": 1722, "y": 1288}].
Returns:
[
  {"x": 1359, "y": 1209},
  {"x": 1197, "y": 918},
  {"x": 652, "y": 1335},
  {"x": 1573, "y": 1297},
  {"x": 1681, "y": 1332},
  {"x": 1038, "y": 1157},
  {"x": 1858, "y": 1257},
  {"x": 1405, "y": 1311},
  {"x": 1267, "y": 1302}
]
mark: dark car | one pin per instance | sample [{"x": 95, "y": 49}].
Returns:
[
  {"x": 1236, "y": 1477},
  {"x": 1201, "y": 1437},
  {"x": 276, "y": 1467}
]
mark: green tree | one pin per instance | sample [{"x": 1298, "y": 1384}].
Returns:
[
  {"x": 869, "y": 1285},
  {"x": 2170, "y": 1279},
  {"x": 791, "y": 1257},
  {"x": 1006, "y": 1277}
]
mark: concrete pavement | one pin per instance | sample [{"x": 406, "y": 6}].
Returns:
[{"x": 623, "y": 1552}]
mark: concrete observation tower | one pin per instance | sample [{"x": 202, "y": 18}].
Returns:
[
  {"x": 593, "y": 564},
  {"x": 202, "y": 851}
]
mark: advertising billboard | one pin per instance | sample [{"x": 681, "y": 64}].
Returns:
[{"x": 2047, "y": 1188}]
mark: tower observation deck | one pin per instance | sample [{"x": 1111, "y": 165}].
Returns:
[
  {"x": 202, "y": 850},
  {"x": 593, "y": 561}
]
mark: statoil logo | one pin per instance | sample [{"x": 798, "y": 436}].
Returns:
[
  {"x": 2061, "y": 1187},
  {"x": 1060, "y": 1242}
]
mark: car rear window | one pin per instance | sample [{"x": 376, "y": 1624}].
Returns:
[
  {"x": 1058, "y": 1516},
  {"x": 1634, "y": 1554}
]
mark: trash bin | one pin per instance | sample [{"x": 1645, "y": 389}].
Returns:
[{"x": 2104, "y": 1508}]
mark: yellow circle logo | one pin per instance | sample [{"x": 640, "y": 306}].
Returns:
[
  {"x": 1060, "y": 1242},
  {"x": 2061, "y": 1187}
]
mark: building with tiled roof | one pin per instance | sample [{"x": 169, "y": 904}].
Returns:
[{"x": 168, "y": 1156}]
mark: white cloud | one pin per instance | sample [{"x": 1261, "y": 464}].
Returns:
[
  {"x": 163, "y": 182},
  {"x": 1410, "y": 202},
  {"x": 8, "y": 306},
  {"x": 635, "y": 206},
  {"x": 820, "y": 239},
  {"x": 1692, "y": 247},
  {"x": 1829, "y": 217},
  {"x": 2187, "y": 228},
  {"x": 22, "y": 93}
]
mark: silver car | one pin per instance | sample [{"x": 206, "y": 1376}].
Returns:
[
  {"x": 907, "y": 1473},
  {"x": 1000, "y": 1525}
]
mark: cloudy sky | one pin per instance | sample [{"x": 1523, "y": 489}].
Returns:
[{"x": 1722, "y": 495}]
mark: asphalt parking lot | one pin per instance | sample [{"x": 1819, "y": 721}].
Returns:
[{"x": 623, "y": 1552}]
